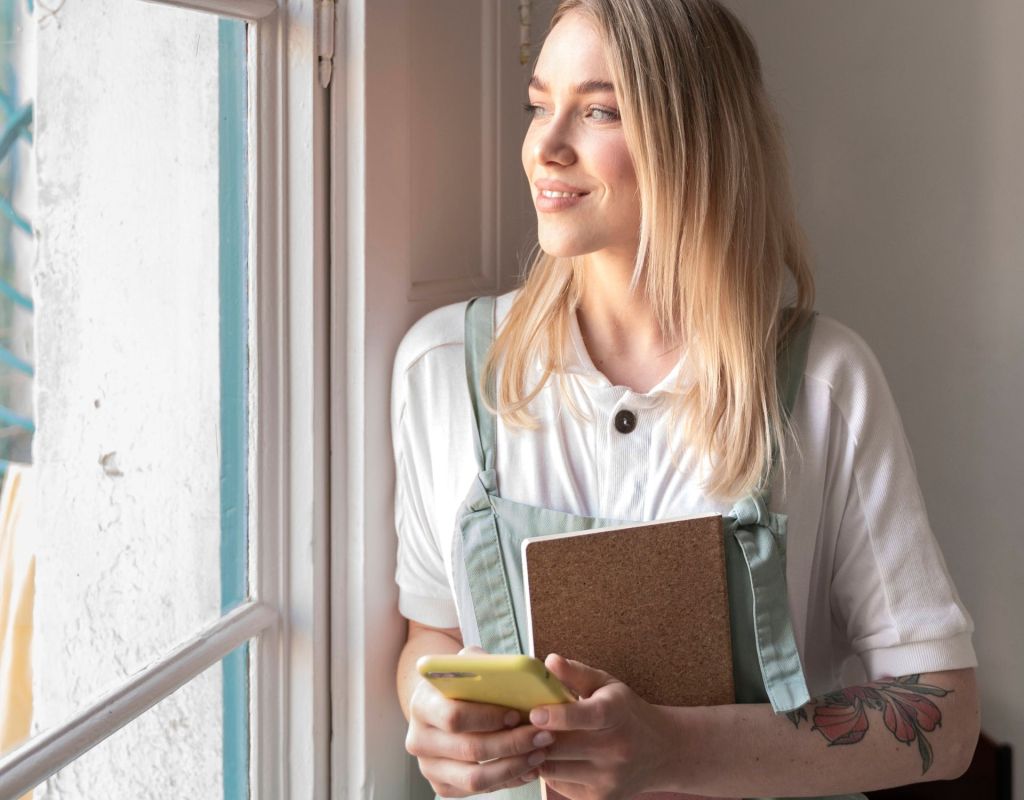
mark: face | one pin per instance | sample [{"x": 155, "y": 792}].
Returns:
[{"x": 576, "y": 141}]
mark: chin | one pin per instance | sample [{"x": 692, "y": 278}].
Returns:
[{"x": 563, "y": 248}]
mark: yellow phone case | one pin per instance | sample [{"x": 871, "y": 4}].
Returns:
[{"x": 514, "y": 681}]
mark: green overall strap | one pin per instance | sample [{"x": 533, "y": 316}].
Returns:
[
  {"x": 479, "y": 533},
  {"x": 792, "y": 360},
  {"x": 761, "y": 536},
  {"x": 789, "y": 375},
  {"x": 478, "y": 336}
]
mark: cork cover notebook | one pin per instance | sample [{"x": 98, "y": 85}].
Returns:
[{"x": 647, "y": 603}]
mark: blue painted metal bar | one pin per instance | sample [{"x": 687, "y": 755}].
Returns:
[
  {"x": 8, "y": 211},
  {"x": 15, "y": 296},
  {"x": 234, "y": 391},
  {"x": 15, "y": 125},
  {"x": 16, "y": 122},
  {"x": 8, "y": 417},
  {"x": 11, "y": 360},
  {"x": 7, "y": 106}
]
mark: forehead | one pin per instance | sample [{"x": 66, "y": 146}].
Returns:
[{"x": 572, "y": 52}]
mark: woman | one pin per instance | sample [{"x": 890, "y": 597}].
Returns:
[{"x": 645, "y": 370}]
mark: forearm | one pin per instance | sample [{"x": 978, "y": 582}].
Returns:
[
  {"x": 421, "y": 641},
  {"x": 862, "y": 738}
]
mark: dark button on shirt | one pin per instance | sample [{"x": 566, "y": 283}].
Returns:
[{"x": 625, "y": 421}]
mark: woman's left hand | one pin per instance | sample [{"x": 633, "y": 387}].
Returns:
[{"x": 610, "y": 744}]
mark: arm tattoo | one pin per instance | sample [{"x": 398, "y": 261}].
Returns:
[{"x": 842, "y": 717}]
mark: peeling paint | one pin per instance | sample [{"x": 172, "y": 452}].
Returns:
[{"x": 110, "y": 465}]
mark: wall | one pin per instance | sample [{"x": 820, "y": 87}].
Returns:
[
  {"x": 448, "y": 215},
  {"x": 127, "y": 388},
  {"x": 905, "y": 122}
]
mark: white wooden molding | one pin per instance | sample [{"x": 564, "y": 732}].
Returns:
[
  {"x": 42, "y": 756},
  {"x": 291, "y": 689}
]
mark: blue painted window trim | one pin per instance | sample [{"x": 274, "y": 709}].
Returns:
[{"x": 234, "y": 390}]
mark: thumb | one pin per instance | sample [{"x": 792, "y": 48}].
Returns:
[
  {"x": 577, "y": 676},
  {"x": 472, "y": 650}
]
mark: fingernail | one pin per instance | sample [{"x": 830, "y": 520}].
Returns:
[
  {"x": 511, "y": 719},
  {"x": 532, "y": 775},
  {"x": 537, "y": 758},
  {"x": 539, "y": 716},
  {"x": 543, "y": 739}
]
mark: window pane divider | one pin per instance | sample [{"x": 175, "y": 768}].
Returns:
[
  {"x": 42, "y": 756},
  {"x": 239, "y": 9}
]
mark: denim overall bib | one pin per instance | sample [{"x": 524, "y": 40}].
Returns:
[{"x": 488, "y": 568}]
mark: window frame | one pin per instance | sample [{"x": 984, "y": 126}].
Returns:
[{"x": 286, "y": 614}]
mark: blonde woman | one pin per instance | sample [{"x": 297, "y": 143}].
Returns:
[{"x": 660, "y": 360}]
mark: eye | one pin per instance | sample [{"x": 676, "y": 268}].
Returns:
[
  {"x": 610, "y": 115},
  {"x": 604, "y": 114}
]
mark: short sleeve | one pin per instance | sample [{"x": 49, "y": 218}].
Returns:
[
  {"x": 891, "y": 590},
  {"x": 424, "y": 592}
]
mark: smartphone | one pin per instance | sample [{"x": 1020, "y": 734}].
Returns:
[{"x": 514, "y": 681}]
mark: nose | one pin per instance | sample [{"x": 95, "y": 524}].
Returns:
[{"x": 553, "y": 145}]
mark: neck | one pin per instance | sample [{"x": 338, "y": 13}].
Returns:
[{"x": 619, "y": 328}]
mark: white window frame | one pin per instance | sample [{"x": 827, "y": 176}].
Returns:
[{"x": 287, "y": 613}]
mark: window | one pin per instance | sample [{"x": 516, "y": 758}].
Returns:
[{"x": 174, "y": 513}]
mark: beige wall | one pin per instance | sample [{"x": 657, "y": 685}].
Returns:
[{"x": 905, "y": 121}]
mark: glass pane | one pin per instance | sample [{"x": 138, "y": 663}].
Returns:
[
  {"x": 174, "y": 750},
  {"x": 124, "y": 506}
]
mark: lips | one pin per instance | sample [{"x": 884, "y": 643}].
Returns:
[{"x": 558, "y": 186}]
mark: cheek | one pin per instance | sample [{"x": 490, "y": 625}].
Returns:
[
  {"x": 616, "y": 168},
  {"x": 525, "y": 155}
]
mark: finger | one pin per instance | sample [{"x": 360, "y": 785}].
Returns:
[
  {"x": 577, "y": 746},
  {"x": 478, "y": 778},
  {"x": 475, "y": 747},
  {"x": 528, "y": 777},
  {"x": 432, "y": 708},
  {"x": 472, "y": 650},
  {"x": 592, "y": 714},
  {"x": 581, "y": 678}
]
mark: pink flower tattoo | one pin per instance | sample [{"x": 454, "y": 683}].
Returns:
[{"x": 906, "y": 710}]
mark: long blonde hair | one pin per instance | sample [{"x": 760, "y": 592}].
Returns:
[{"x": 718, "y": 233}]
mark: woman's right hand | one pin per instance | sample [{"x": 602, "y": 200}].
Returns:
[{"x": 467, "y": 748}]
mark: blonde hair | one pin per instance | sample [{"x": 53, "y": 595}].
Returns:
[{"x": 718, "y": 233}]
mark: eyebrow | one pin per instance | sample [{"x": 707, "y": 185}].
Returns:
[{"x": 586, "y": 87}]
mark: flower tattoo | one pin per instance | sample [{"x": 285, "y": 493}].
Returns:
[{"x": 906, "y": 710}]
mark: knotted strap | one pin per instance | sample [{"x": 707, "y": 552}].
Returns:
[
  {"x": 761, "y": 537},
  {"x": 478, "y": 537},
  {"x": 485, "y": 571}
]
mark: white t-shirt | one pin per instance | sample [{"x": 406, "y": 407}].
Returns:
[{"x": 865, "y": 575}]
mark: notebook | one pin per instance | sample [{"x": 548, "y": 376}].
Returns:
[{"x": 646, "y": 602}]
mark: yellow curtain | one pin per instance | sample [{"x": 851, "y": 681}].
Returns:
[{"x": 17, "y": 593}]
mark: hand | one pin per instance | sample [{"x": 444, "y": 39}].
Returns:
[
  {"x": 466, "y": 748},
  {"x": 611, "y": 744}
]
